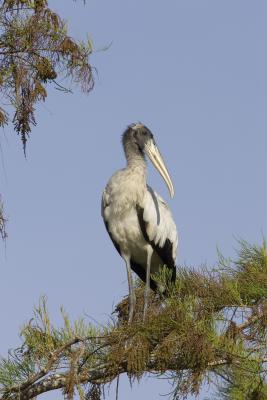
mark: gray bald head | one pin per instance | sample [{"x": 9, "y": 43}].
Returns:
[
  {"x": 136, "y": 136},
  {"x": 137, "y": 141}
]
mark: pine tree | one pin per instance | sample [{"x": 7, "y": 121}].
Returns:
[{"x": 213, "y": 325}]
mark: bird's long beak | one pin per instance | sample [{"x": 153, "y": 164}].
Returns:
[{"x": 154, "y": 155}]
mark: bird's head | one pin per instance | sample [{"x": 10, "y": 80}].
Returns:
[{"x": 139, "y": 136}]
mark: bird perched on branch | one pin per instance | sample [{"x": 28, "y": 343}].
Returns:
[{"x": 137, "y": 219}]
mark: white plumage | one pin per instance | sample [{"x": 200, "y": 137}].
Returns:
[{"x": 137, "y": 219}]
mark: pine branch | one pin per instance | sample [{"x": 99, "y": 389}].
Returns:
[
  {"x": 208, "y": 325},
  {"x": 44, "y": 371},
  {"x": 96, "y": 375}
]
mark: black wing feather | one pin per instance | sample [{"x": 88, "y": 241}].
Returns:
[
  {"x": 134, "y": 266},
  {"x": 142, "y": 274},
  {"x": 165, "y": 252},
  {"x": 156, "y": 204}
]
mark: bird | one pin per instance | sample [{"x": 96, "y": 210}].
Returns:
[{"x": 137, "y": 219}]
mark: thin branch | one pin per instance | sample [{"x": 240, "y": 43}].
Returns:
[
  {"x": 117, "y": 387},
  {"x": 62, "y": 88},
  {"x": 94, "y": 375},
  {"x": 47, "y": 368}
]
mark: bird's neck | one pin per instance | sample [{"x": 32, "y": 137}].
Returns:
[
  {"x": 135, "y": 175},
  {"x": 136, "y": 163},
  {"x": 134, "y": 157},
  {"x": 136, "y": 167}
]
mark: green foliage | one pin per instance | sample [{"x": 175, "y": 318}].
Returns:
[
  {"x": 247, "y": 382},
  {"x": 15, "y": 369},
  {"x": 212, "y": 325},
  {"x": 34, "y": 50}
]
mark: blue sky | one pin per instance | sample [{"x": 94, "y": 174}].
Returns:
[{"x": 195, "y": 73}]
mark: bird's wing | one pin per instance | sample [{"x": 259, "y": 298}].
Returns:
[
  {"x": 158, "y": 227},
  {"x": 104, "y": 202},
  {"x": 105, "y": 215}
]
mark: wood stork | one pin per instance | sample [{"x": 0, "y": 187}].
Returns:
[{"x": 137, "y": 219}]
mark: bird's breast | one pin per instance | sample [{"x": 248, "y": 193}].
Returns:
[
  {"x": 126, "y": 233},
  {"x": 125, "y": 192}
]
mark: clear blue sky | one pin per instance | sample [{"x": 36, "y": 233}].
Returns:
[{"x": 195, "y": 72}]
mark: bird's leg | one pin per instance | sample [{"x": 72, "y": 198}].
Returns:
[
  {"x": 147, "y": 288},
  {"x": 132, "y": 298}
]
